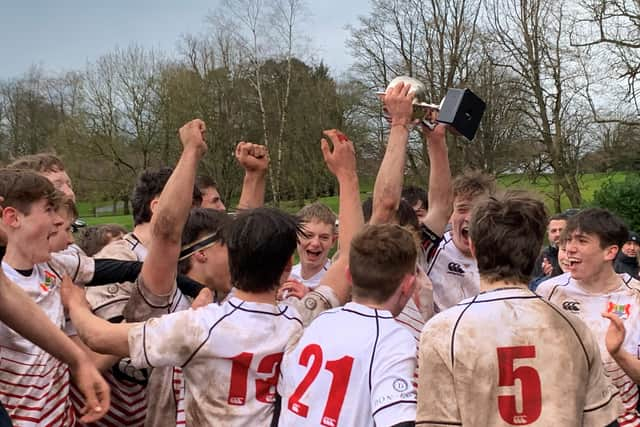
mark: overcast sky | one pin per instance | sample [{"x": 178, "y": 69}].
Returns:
[{"x": 65, "y": 35}]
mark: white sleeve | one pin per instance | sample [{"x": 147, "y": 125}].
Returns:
[
  {"x": 171, "y": 340},
  {"x": 393, "y": 396},
  {"x": 144, "y": 304},
  {"x": 76, "y": 265},
  {"x": 313, "y": 303}
]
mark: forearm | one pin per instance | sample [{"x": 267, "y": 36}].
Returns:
[
  {"x": 629, "y": 364},
  {"x": 160, "y": 266},
  {"x": 440, "y": 189},
  {"x": 253, "y": 189},
  {"x": 100, "y": 335},
  {"x": 388, "y": 185},
  {"x": 22, "y": 314}
]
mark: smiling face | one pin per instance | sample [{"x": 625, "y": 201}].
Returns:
[
  {"x": 64, "y": 235},
  {"x": 313, "y": 249},
  {"x": 462, "y": 207},
  {"x": 631, "y": 248},
  {"x": 586, "y": 257},
  {"x": 554, "y": 230},
  {"x": 34, "y": 231}
]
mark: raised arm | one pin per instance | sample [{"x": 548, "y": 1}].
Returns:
[
  {"x": 33, "y": 324},
  {"x": 160, "y": 266},
  {"x": 440, "y": 191},
  {"x": 342, "y": 163},
  {"x": 388, "y": 186},
  {"x": 616, "y": 333},
  {"x": 254, "y": 158}
]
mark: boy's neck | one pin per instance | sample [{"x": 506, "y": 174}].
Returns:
[
  {"x": 16, "y": 259},
  {"x": 308, "y": 272},
  {"x": 143, "y": 233},
  {"x": 486, "y": 286},
  {"x": 268, "y": 297},
  {"x": 604, "y": 281}
]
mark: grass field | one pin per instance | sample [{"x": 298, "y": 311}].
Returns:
[{"x": 589, "y": 184}]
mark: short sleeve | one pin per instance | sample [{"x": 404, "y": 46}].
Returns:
[
  {"x": 74, "y": 264},
  {"x": 393, "y": 396},
  {"x": 144, "y": 304},
  {"x": 429, "y": 242},
  {"x": 171, "y": 340},
  {"x": 437, "y": 403}
]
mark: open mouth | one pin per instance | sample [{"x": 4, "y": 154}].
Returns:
[
  {"x": 574, "y": 261},
  {"x": 313, "y": 254},
  {"x": 465, "y": 232}
]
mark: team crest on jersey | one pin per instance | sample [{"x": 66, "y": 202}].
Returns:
[
  {"x": 49, "y": 280},
  {"x": 623, "y": 311}
]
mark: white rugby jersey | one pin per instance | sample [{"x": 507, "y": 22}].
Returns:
[
  {"x": 454, "y": 275},
  {"x": 509, "y": 357},
  {"x": 313, "y": 281},
  {"x": 230, "y": 355},
  {"x": 128, "y": 385},
  {"x": 567, "y": 294},
  {"x": 353, "y": 366},
  {"x": 34, "y": 386}
]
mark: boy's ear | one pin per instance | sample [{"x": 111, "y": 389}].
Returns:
[
  {"x": 10, "y": 216},
  {"x": 611, "y": 252}
]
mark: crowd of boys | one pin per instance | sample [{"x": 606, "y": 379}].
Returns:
[{"x": 437, "y": 308}]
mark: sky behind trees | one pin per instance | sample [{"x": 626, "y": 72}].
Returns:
[{"x": 63, "y": 36}]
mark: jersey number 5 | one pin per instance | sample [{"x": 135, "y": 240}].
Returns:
[
  {"x": 341, "y": 370},
  {"x": 531, "y": 394}
]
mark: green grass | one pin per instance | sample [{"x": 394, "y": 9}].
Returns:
[{"x": 589, "y": 184}]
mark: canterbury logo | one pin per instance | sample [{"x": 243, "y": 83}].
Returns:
[
  {"x": 455, "y": 268},
  {"x": 571, "y": 305}
]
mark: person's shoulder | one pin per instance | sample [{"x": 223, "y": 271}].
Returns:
[
  {"x": 118, "y": 249},
  {"x": 545, "y": 288}
]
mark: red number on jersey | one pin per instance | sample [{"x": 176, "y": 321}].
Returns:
[
  {"x": 265, "y": 388},
  {"x": 340, "y": 370},
  {"x": 531, "y": 394}
]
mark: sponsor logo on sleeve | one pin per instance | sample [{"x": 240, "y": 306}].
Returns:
[
  {"x": 573, "y": 306},
  {"x": 623, "y": 311},
  {"x": 400, "y": 385},
  {"x": 455, "y": 268}
]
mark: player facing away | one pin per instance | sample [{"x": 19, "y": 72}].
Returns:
[
  {"x": 506, "y": 356},
  {"x": 592, "y": 239},
  {"x": 361, "y": 373}
]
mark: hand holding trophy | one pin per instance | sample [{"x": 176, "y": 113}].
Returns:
[{"x": 461, "y": 109}]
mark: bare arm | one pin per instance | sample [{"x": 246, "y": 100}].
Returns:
[
  {"x": 342, "y": 163},
  {"x": 22, "y": 314},
  {"x": 160, "y": 266},
  {"x": 98, "y": 334},
  {"x": 388, "y": 186},
  {"x": 254, "y": 158},
  {"x": 440, "y": 190}
]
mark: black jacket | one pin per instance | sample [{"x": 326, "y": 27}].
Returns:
[{"x": 627, "y": 264}]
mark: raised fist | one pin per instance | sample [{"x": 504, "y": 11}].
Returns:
[
  {"x": 193, "y": 136},
  {"x": 252, "y": 157}
]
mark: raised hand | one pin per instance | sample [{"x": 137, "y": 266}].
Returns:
[
  {"x": 615, "y": 334},
  {"x": 193, "y": 137},
  {"x": 342, "y": 160},
  {"x": 252, "y": 157},
  {"x": 72, "y": 295},
  {"x": 398, "y": 102}
]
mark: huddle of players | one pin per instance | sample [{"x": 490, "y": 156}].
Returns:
[{"x": 334, "y": 362}]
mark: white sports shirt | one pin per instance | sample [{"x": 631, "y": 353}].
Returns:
[
  {"x": 353, "y": 367},
  {"x": 508, "y": 357},
  {"x": 230, "y": 354},
  {"x": 454, "y": 275},
  {"x": 313, "y": 281},
  {"x": 34, "y": 386},
  {"x": 567, "y": 294}
]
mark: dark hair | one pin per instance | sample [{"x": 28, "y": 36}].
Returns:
[
  {"x": 609, "y": 228},
  {"x": 380, "y": 257},
  {"x": 507, "y": 234},
  {"x": 42, "y": 162},
  {"x": 405, "y": 215},
  {"x": 202, "y": 222},
  {"x": 260, "y": 243},
  {"x": 205, "y": 181},
  {"x": 20, "y": 189},
  {"x": 149, "y": 185},
  {"x": 413, "y": 195},
  {"x": 93, "y": 238}
]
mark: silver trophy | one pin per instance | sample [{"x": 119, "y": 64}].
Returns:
[{"x": 461, "y": 109}]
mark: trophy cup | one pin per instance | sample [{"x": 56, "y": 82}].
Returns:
[{"x": 460, "y": 108}]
